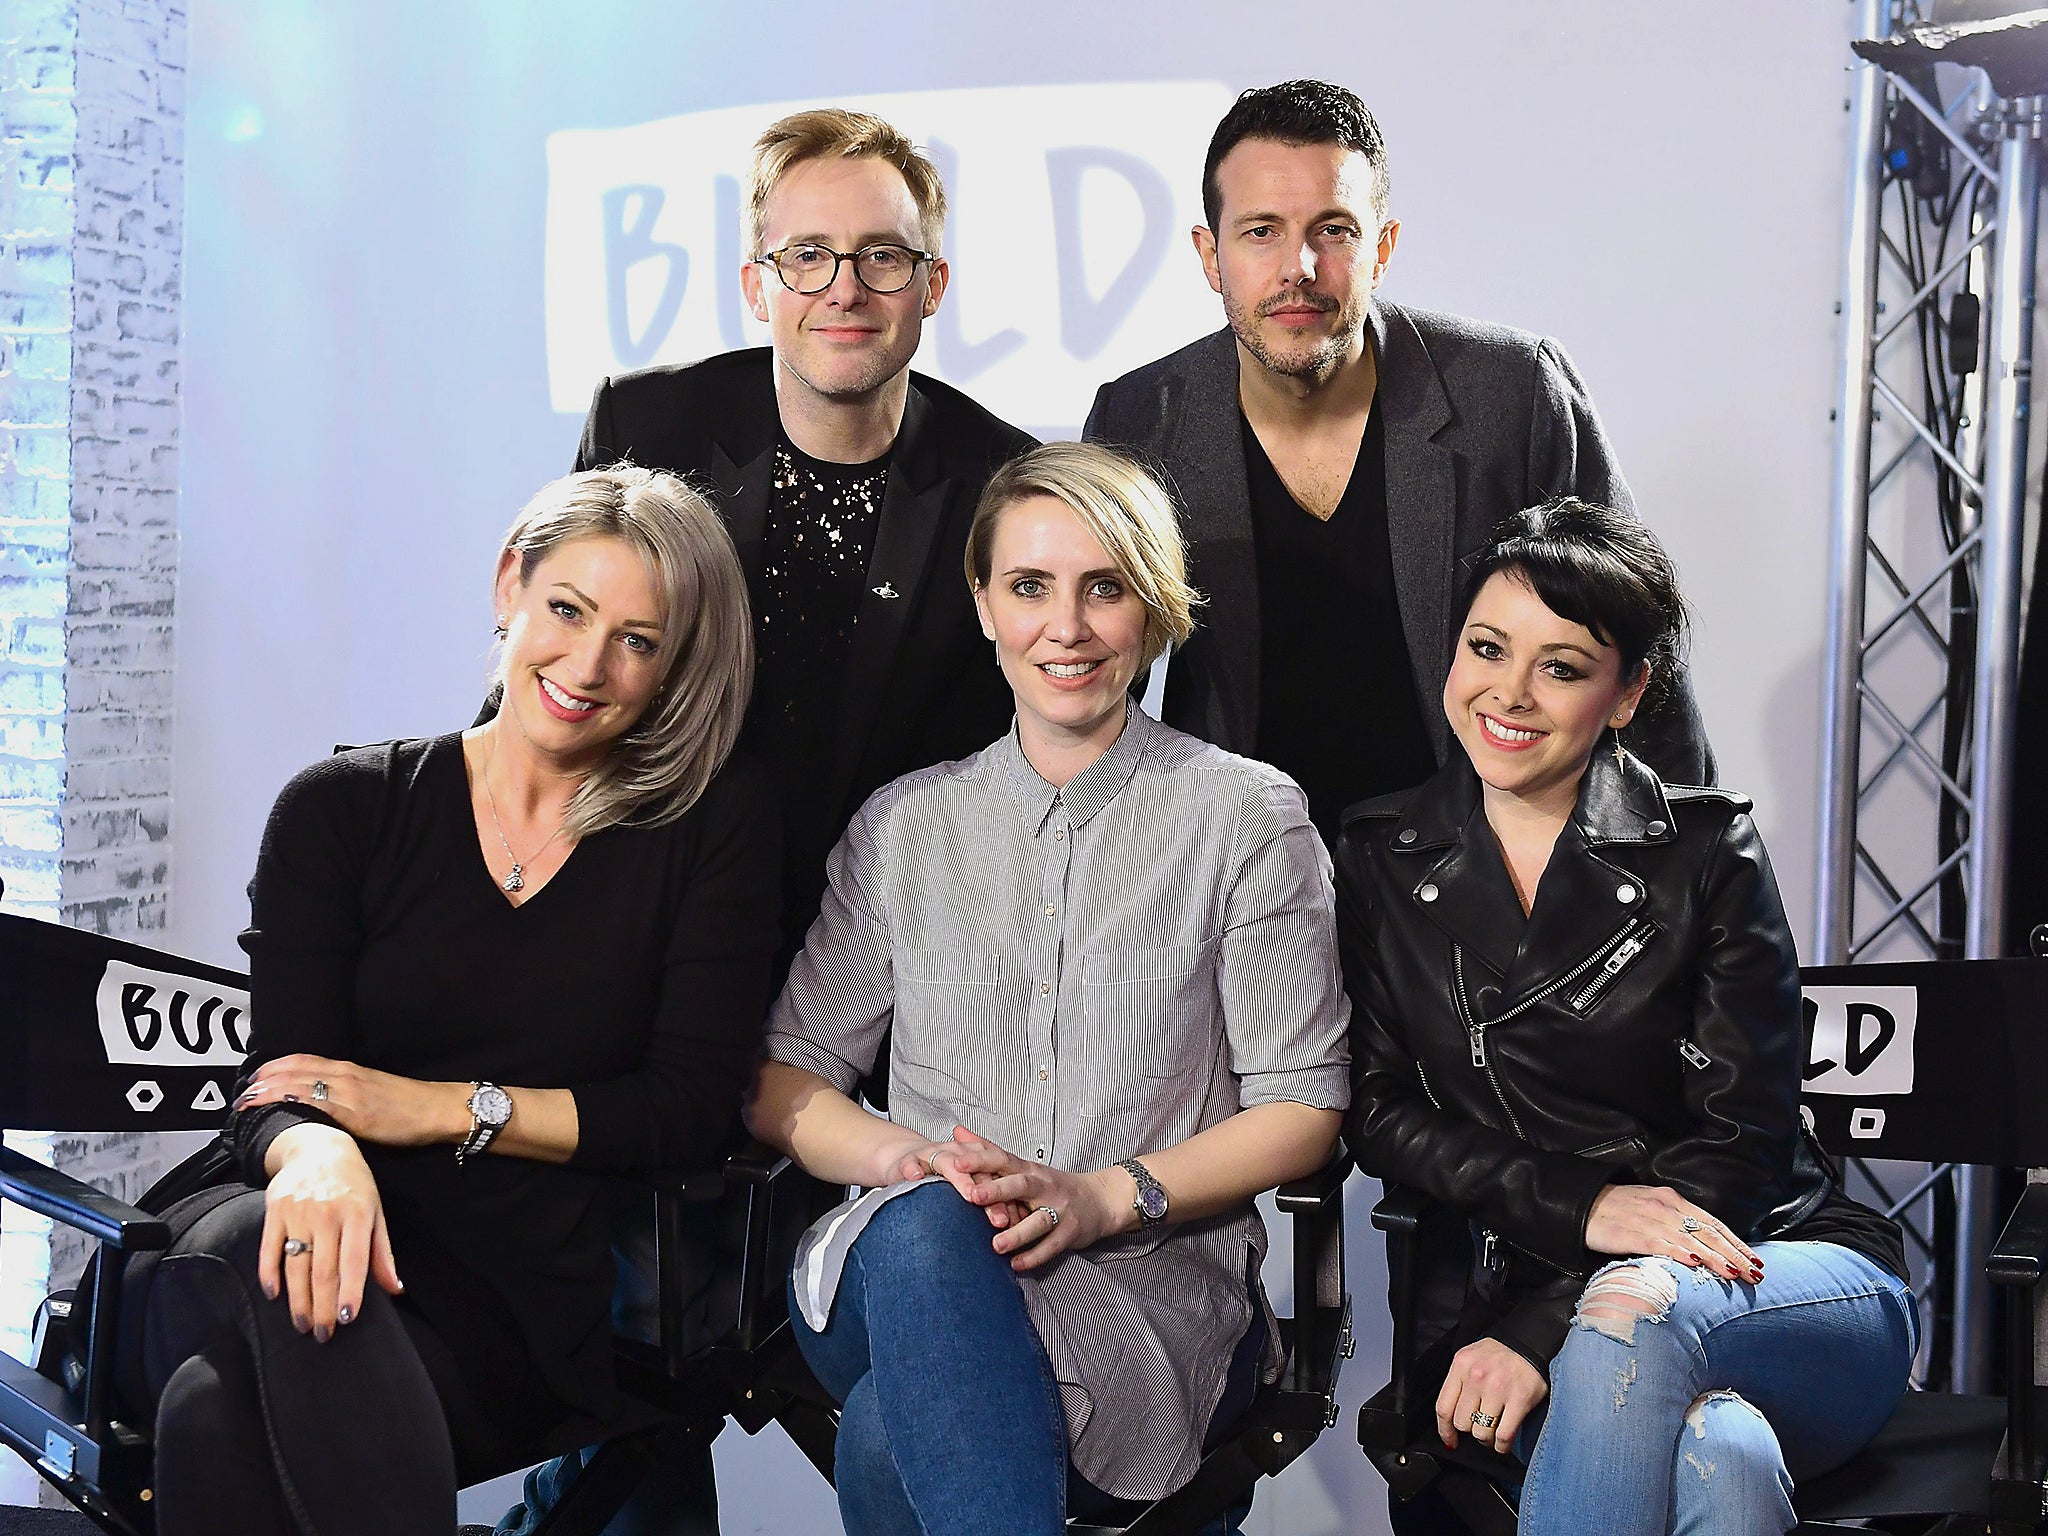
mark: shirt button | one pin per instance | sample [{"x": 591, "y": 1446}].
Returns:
[
  {"x": 1655, "y": 829},
  {"x": 1048, "y": 909},
  {"x": 1059, "y": 837},
  {"x": 1041, "y": 1074},
  {"x": 1045, "y": 989},
  {"x": 1407, "y": 835},
  {"x": 1624, "y": 894},
  {"x": 1428, "y": 892}
]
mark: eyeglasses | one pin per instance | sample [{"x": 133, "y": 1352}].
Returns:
[{"x": 807, "y": 268}]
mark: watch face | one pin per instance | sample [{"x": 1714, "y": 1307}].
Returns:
[
  {"x": 1152, "y": 1203},
  {"x": 491, "y": 1104}
]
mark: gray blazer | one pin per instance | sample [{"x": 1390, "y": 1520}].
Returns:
[{"x": 1480, "y": 421}]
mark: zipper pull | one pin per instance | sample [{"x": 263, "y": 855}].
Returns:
[
  {"x": 1626, "y": 952},
  {"x": 1478, "y": 1034},
  {"x": 1488, "y": 1244}
]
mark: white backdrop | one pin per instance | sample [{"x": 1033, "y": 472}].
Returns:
[{"x": 384, "y": 311}]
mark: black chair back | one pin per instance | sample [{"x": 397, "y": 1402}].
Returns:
[{"x": 97, "y": 1034}]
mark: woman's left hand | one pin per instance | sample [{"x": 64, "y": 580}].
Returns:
[
  {"x": 1492, "y": 1381},
  {"x": 1062, "y": 1210},
  {"x": 372, "y": 1106}
]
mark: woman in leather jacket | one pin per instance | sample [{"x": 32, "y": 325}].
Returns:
[{"x": 1577, "y": 1022}]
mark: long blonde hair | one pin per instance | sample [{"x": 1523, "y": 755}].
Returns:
[{"x": 658, "y": 769}]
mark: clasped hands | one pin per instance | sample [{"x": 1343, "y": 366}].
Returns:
[
  {"x": 1038, "y": 1212},
  {"x": 1490, "y": 1389}
]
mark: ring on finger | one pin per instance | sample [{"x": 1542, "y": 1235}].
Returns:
[
  {"x": 1484, "y": 1420},
  {"x": 295, "y": 1246},
  {"x": 931, "y": 1164},
  {"x": 319, "y": 1091},
  {"x": 1690, "y": 1224},
  {"x": 1052, "y": 1217}
]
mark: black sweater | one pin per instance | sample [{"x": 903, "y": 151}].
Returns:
[{"x": 637, "y": 977}]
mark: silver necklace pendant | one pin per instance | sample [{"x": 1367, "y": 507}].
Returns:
[{"x": 516, "y": 881}]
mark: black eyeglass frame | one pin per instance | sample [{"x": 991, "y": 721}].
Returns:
[{"x": 770, "y": 260}]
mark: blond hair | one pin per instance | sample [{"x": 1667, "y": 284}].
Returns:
[
  {"x": 835, "y": 133},
  {"x": 656, "y": 771},
  {"x": 1124, "y": 507}
]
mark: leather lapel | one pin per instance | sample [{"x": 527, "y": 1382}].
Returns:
[
  {"x": 1585, "y": 899},
  {"x": 899, "y": 571},
  {"x": 1204, "y": 437},
  {"x": 1452, "y": 870},
  {"x": 1422, "y": 491}
]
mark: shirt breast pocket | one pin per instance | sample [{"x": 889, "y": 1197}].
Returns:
[
  {"x": 1152, "y": 1020},
  {"x": 948, "y": 1035}
]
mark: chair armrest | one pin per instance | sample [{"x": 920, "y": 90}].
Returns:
[
  {"x": 77, "y": 1204},
  {"x": 1301, "y": 1196},
  {"x": 756, "y": 1164},
  {"x": 1399, "y": 1211},
  {"x": 2021, "y": 1253}
]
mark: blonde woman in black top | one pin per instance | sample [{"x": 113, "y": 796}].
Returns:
[{"x": 486, "y": 969}]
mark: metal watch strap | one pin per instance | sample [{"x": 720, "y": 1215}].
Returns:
[
  {"x": 1147, "y": 1185},
  {"x": 481, "y": 1131}
]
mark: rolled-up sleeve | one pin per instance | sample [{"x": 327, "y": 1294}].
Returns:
[
  {"x": 835, "y": 1009},
  {"x": 1285, "y": 1017}
]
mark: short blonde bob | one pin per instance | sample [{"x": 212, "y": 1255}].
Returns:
[
  {"x": 833, "y": 133},
  {"x": 656, "y": 771},
  {"x": 1126, "y": 509}
]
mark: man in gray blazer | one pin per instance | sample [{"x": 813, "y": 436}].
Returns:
[{"x": 1335, "y": 455}]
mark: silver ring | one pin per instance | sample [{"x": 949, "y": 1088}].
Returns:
[
  {"x": 1690, "y": 1223},
  {"x": 1483, "y": 1420},
  {"x": 1052, "y": 1217},
  {"x": 319, "y": 1091},
  {"x": 294, "y": 1246},
  {"x": 931, "y": 1165}
]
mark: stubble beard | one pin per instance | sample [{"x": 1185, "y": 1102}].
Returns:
[{"x": 1316, "y": 362}]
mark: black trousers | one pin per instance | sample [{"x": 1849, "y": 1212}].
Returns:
[{"x": 263, "y": 1431}]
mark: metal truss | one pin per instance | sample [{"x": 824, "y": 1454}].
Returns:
[{"x": 1922, "y": 656}]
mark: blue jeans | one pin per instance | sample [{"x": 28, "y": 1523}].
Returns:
[
  {"x": 950, "y": 1423},
  {"x": 1687, "y": 1405}
]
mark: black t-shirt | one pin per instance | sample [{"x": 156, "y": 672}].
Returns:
[
  {"x": 1337, "y": 705},
  {"x": 637, "y": 978}
]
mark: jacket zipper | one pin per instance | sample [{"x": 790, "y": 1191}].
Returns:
[
  {"x": 1476, "y": 1033},
  {"x": 1635, "y": 930},
  {"x": 1632, "y": 941}
]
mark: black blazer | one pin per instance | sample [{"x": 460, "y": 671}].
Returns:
[
  {"x": 921, "y": 685},
  {"x": 1643, "y": 1025},
  {"x": 1480, "y": 421}
]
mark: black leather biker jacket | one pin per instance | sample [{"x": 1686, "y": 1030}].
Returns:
[{"x": 1641, "y": 1024}]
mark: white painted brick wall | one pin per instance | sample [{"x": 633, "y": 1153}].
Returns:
[{"x": 91, "y": 243}]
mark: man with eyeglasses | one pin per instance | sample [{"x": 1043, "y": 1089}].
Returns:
[
  {"x": 847, "y": 480},
  {"x": 1336, "y": 454},
  {"x": 848, "y": 483}
]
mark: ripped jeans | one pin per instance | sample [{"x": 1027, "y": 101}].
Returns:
[{"x": 1686, "y": 1404}]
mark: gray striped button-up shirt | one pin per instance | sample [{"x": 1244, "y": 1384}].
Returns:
[{"x": 1084, "y": 975}]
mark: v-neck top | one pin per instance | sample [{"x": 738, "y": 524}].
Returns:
[{"x": 637, "y": 977}]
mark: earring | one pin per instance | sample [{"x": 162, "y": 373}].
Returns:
[{"x": 499, "y": 631}]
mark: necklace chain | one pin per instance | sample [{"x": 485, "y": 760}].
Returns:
[{"x": 516, "y": 881}]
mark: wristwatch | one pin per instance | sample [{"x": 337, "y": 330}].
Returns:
[
  {"x": 490, "y": 1107},
  {"x": 1150, "y": 1202}
]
